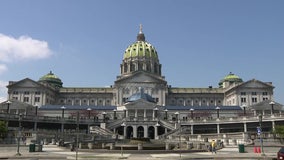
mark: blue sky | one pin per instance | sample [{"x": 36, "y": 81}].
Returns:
[{"x": 198, "y": 41}]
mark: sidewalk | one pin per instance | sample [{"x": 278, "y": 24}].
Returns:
[{"x": 58, "y": 153}]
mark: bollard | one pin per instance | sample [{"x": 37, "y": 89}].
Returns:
[
  {"x": 140, "y": 146},
  {"x": 111, "y": 147},
  {"x": 167, "y": 146}
]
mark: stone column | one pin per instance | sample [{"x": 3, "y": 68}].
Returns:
[
  {"x": 145, "y": 114},
  {"x": 145, "y": 131},
  {"x": 245, "y": 127},
  {"x": 136, "y": 113},
  {"x": 218, "y": 128},
  {"x": 191, "y": 129},
  {"x": 134, "y": 131},
  {"x": 273, "y": 125},
  {"x": 124, "y": 131},
  {"x": 156, "y": 132}
]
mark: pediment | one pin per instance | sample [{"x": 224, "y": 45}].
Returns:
[
  {"x": 25, "y": 83},
  {"x": 141, "y": 77},
  {"x": 140, "y": 104},
  {"x": 255, "y": 84}
]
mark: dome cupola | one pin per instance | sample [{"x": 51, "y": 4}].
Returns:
[
  {"x": 229, "y": 80},
  {"x": 140, "y": 56},
  {"x": 51, "y": 79}
]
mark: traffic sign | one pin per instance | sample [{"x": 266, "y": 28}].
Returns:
[{"x": 258, "y": 130}]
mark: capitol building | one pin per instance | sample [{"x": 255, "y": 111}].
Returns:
[
  {"x": 140, "y": 68},
  {"x": 140, "y": 97}
]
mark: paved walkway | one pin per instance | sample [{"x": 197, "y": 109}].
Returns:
[{"x": 58, "y": 153}]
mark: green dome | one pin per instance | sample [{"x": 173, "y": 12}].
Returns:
[
  {"x": 140, "y": 49},
  {"x": 231, "y": 78},
  {"x": 51, "y": 79}
]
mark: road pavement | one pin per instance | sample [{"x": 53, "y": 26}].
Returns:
[{"x": 58, "y": 153}]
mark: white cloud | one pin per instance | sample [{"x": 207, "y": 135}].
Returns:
[
  {"x": 23, "y": 48},
  {"x": 3, "y": 68},
  {"x": 3, "y": 91}
]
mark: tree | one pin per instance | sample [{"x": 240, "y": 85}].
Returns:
[
  {"x": 3, "y": 129},
  {"x": 279, "y": 131}
]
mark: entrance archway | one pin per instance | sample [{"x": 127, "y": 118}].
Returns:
[
  {"x": 140, "y": 132},
  {"x": 151, "y": 132},
  {"x": 129, "y": 132}
]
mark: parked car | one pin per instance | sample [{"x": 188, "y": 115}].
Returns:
[{"x": 280, "y": 154}]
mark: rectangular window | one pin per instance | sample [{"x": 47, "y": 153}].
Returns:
[
  {"x": 265, "y": 98},
  {"x": 253, "y": 93},
  {"x": 243, "y": 93},
  {"x": 15, "y": 92},
  {"x": 254, "y": 100},
  {"x": 243, "y": 100},
  {"x": 26, "y": 93},
  {"x": 26, "y": 99},
  {"x": 264, "y": 93},
  {"x": 37, "y": 99},
  {"x": 37, "y": 93}
]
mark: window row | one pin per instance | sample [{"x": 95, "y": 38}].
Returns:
[
  {"x": 254, "y": 93},
  {"x": 26, "y": 92},
  {"x": 253, "y": 99},
  {"x": 194, "y": 102},
  {"x": 99, "y": 102}
]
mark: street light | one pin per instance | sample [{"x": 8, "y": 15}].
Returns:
[
  {"x": 19, "y": 135},
  {"x": 104, "y": 116},
  {"x": 89, "y": 112},
  {"x": 8, "y": 109},
  {"x": 36, "y": 109},
  {"x": 244, "y": 108},
  {"x": 260, "y": 134},
  {"x": 8, "y": 106},
  {"x": 272, "y": 107},
  {"x": 191, "y": 113},
  {"x": 155, "y": 112},
  {"x": 114, "y": 114},
  {"x": 124, "y": 133},
  {"x": 177, "y": 113},
  {"x": 166, "y": 114},
  {"x": 63, "y": 108},
  {"x": 218, "y": 110}
]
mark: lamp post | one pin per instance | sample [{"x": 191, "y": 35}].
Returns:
[
  {"x": 63, "y": 108},
  {"x": 191, "y": 113},
  {"x": 104, "y": 116},
  {"x": 8, "y": 109},
  {"x": 260, "y": 134},
  {"x": 77, "y": 133},
  {"x": 155, "y": 112},
  {"x": 19, "y": 135},
  {"x": 177, "y": 113},
  {"x": 166, "y": 114},
  {"x": 218, "y": 110},
  {"x": 8, "y": 106},
  {"x": 272, "y": 107},
  {"x": 89, "y": 112},
  {"x": 124, "y": 134},
  {"x": 124, "y": 112},
  {"x": 62, "y": 125},
  {"x": 114, "y": 114},
  {"x": 244, "y": 108}
]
